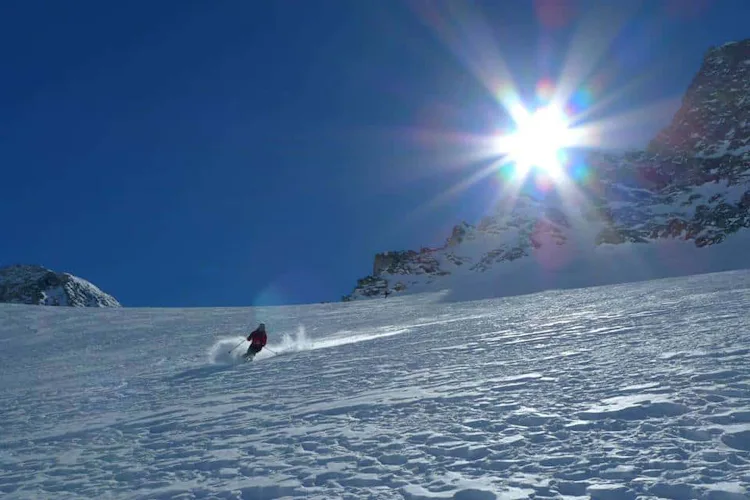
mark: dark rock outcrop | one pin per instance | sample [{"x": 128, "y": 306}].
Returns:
[{"x": 28, "y": 284}]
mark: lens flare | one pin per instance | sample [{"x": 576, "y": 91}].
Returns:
[
  {"x": 538, "y": 141},
  {"x": 545, "y": 91}
]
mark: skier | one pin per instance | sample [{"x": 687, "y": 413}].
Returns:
[{"x": 257, "y": 339}]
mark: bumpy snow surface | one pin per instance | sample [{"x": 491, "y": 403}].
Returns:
[{"x": 621, "y": 392}]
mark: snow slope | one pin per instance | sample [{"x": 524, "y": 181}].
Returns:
[{"x": 620, "y": 392}]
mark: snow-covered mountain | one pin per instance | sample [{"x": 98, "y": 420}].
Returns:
[
  {"x": 678, "y": 207},
  {"x": 29, "y": 284},
  {"x": 638, "y": 391}
]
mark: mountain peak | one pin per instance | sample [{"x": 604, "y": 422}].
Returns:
[
  {"x": 666, "y": 211},
  {"x": 34, "y": 284},
  {"x": 714, "y": 118}
]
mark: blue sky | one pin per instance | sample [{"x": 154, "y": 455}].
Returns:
[{"x": 233, "y": 153}]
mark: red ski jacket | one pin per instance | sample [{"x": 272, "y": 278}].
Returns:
[{"x": 258, "y": 337}]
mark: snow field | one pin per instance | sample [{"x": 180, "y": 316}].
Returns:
[{"x": 636, "y": 391}]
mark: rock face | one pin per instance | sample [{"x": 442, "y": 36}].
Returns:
[
  {"x": 691, "y": 185},
  {"x": 25, "y": 284},
  {"x": 714, "y": 119}
]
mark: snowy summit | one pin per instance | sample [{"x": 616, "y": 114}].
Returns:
[
  {"x": 680, "y": 207},
  {"x": 28, "y": 284}
]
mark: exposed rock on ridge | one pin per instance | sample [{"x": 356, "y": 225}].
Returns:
[
  {"x": 28, "y": 284},
  {"x": 714, "y": 118}
]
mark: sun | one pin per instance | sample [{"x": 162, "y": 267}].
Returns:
[{"x": 538, "y": 141}]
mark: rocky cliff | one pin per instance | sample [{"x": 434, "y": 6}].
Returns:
[
  {"x": 688, "y": 193},
  {"x": 714, "y": 119},
  {"x": 26, "y": 284}
]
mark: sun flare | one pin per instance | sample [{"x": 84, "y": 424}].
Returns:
[
  {"x": 538, "y": 141},
  {"x": 544, "y": 133}
]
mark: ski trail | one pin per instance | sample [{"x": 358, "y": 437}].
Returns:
[
  {"x": 301, "y": 342},
  {"x": 219, "y": 353}
]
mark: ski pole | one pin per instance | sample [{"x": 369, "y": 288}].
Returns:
[
  {"x": 267, "y": 349},
  {"x": 235, "y": 347}
]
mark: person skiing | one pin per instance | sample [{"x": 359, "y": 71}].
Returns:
[{"x": 257, "y": 339}]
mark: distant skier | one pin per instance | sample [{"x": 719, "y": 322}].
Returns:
[
  {"x": 386, "y": 293},
  {"x": 257, "y": 339}
]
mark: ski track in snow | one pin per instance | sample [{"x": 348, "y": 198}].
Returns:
[{"x": 620, "y": 392}]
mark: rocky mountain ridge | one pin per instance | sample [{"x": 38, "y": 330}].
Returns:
[
  {"x": 30, "y": 284},
  {"x": 691, "y": 184}
]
